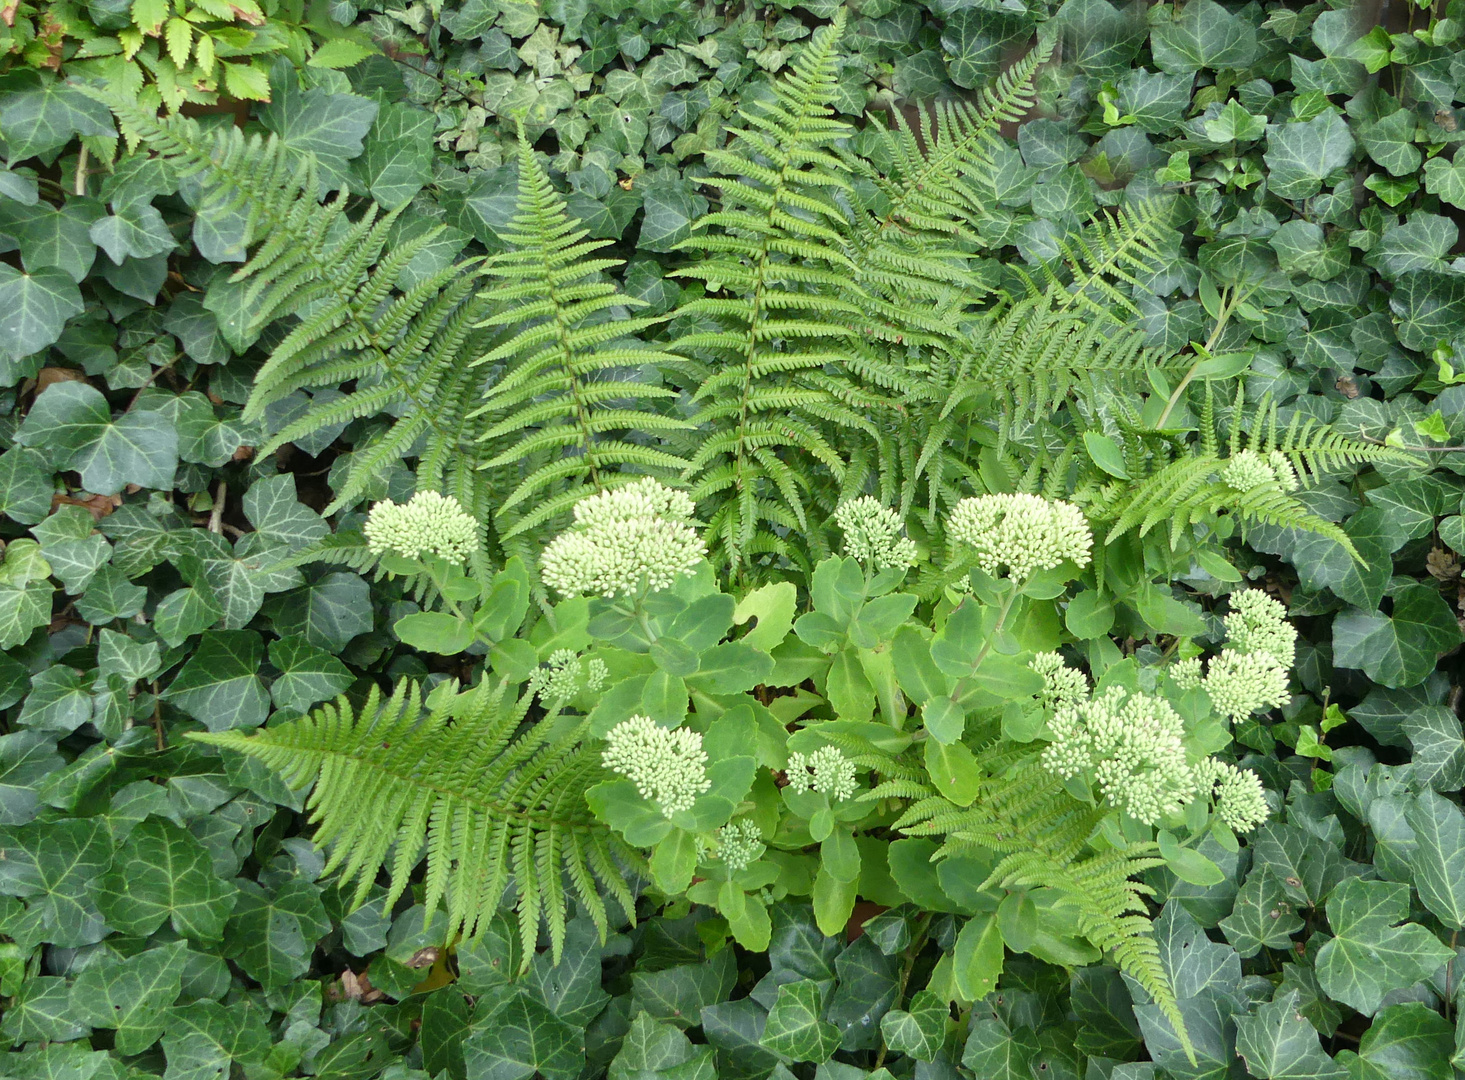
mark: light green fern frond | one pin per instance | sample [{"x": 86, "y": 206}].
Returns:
[
  {"x": 363, "y": 320},
  {"x": 564, "y": 410},
  {"x": 452, "y": 778},
  {"x": 774, "y": 319}
]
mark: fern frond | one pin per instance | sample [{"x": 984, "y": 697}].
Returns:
[{"x": 455, "y": 777}]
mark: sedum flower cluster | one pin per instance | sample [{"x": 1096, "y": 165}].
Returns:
[
  {"x": 1024, "y": 533},
  {"x": 1251, "y": 673},
  {"x": 428, "y": 522},
  {"x": 872, "y": 534},
  {"x": 740, "y": 844},
  {"x": 563, "y": 675},
  {"x": 826, "y": 770},
  {"x": 1062, "y": 685},
  {"x": 1132, "y": 744},
  {"x": 1237, "y": 794},
  {"x": 631, "y": 538},
  {"x": 1247, "y": 470},
  {"x": 669, "y": 767}
]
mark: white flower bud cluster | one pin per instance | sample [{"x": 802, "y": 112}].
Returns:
[
  {"x": 872, "y": 534},
  {"x": 429, "y": 522},
  {"x": 1248, "y": 469},
  {"x": 669, "y": 767},
  {"x": 633, "y": 537},
  {"x": 1251, "y": 673},
  {"x": 1132, "y": 743},
  {"x": 740, "y": 844},
  {"x": 1187, "y": 673},
  {"x": 1021, "y": 532},
  {"x": 562, "y": 677},
  {"x": 1062, "y": 685},
  {"x": 1237, "y": 794},
  {"x": 1258, "y": 624},
  {"x": 826, "y": 770},
  {"x": 1243, "y": 683}
]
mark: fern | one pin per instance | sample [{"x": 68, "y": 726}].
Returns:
[
  {"x": 362, "y": 318},
  {"x": 1023, "y": 814},
  {"x": 455, "y": 776},
  {"x": 562, "y": 412},
  {"x": 1184, "y": 490},
  {"x": 768, "y": 341}
]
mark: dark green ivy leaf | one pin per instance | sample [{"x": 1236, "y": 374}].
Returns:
[{"x": 162, "y": 873}]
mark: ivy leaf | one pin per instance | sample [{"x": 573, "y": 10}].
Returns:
[
  {"x": 1408, "y": 1042},
  {"x": 25, "y": 757},
  {"x": 72, "y": 422},
  {"x": 1368, "y": 956},
  {"x": 328, "y": 613},
  {"x": 993, "y": 1052},
  {"x": 53, "y": 865},
  {"x": 1262, "y": 917},
  {"x": 185, "y": 612},
  {"x": 919, "y": 1031},
  {"x": 1430, "y": 306},
  {"x": 307, "y": 674},
  {"x": 670, "y": 208},
  {"x": 162, "y": 873},
  {"x": 25, "y": 486},
  {"x": 1398, "y": 650},
  {"x": 1446, "y": 179},
  {"x": 61, "y": 238},
  {"x": 1439, "y": 857},
  {"x": 60, "y": 700},
  {"x": 36, "y": 307},
  {"x": 317, "y": 122},
  {"x": 1205, "y": 35},
  {"x": 397, "y": 160},
  {"x": 795, "y": 1029},
  {"x": 46, "y": 117},
  {"x": 131, "y": 995},
  {"x": 1211, "y": 1027},
  {"x": 1301, "y": 155},
  {"x": 272, "y": 936},
  {"x": 521, "y": 1038},
  {"x": 1390, "y": 142},
  {"x": 679, "y": 993},
  {"x": 41, "y": 1011},
  {"x": 118, "y": 654},
  {"x": 220, "y": 685},
  {"x": 203, "y": 1040},
  {"x": 1276, "y": 1043},
  {"x": 651, "y": 1050},
  {"x": 1439, "y": 747},
  {"x": 133, "y": 232}
]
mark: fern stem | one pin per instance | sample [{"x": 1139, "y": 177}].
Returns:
[{"x": 1229, "y": 305}]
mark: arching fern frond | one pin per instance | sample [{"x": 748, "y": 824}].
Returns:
[
  {"x": 362, "y": 318},
  {"x": 774, "y": 318},
  {"x": 564, "y": 410},
  {"x": 491, "y": 805},
  {"x": 1023, "y": 814}
]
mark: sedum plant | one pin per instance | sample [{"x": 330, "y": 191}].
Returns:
[{"x": 651, "y": 737}]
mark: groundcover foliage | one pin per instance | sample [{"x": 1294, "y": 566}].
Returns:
[{"x": 1034, "y": 650}]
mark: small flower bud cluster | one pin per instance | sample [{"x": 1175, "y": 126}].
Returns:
[
  {"x": 1024, "y": 533},
  {"x": 428, "y": 522},
  {"x": 1243, "y": 683},
  {"x": 872, "y": 534},
  {"x": 826, "y": 770},
  {"x": 1258, "y": 624},
  {"x": 633, "y": 537},
  {"x": 562, "y": 678},
  {"x": 1062, "y": 685},
  {"x": 1237, "y": 794},
  {"x": 1132, "y": 744},
  {"x": 669, "y": 767},
  {"x": 1248, "y": 469},
  {"x": 740, "y": 844},
  {"x": 1187, "y": 673}
]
